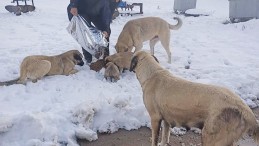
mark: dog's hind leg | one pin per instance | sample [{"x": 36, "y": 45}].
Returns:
[
  {"x": 165, "y": 133},
  {"x": 23, "y": 73},
  {"x": 38, "y": 69},
  {"x": 22, "y": 80},
  {"x": 165, "y": 41},
  {"x": 226, "y": 128},
  {"x": 155, "y": 123},
  {"x": 152, "y": 44}
]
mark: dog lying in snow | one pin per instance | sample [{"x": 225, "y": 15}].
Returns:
[
  {"x": 37, "y": 66},
  {"x": 112, "y": 72}
]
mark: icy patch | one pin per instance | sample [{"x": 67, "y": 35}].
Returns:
[
  {"x": 109, "y": 127},
  {"x": 178, "y": 131},
  {"x": 196, "y": 130},
  {"x": 87, "y": 134}
]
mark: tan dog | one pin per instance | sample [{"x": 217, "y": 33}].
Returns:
[
  {"x": 122, "y": 60},
  {"x": 112, "y": 72},
  {"x": 37, "y": 66},
  {"x": 137, "y": 31},
  {"x": 221, "y": 114}
]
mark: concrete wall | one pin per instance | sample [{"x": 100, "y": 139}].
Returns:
[
  {"x": 183, "y": 5},
  {"x": 243, "y": 8}
]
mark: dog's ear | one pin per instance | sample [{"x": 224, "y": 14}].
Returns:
[
  {"x": 133, "y": 64},
  {"x": 78, "y": 59},
  {"x": 77, "y": 56},
  {"x": 155, "y": 58},
  {"x": 106, "y": 60}
]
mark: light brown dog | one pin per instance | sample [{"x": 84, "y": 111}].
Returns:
[
  {"x": 221, "y": 114},
  {"x": 137, "y": 31},
  {"x": 112, "y": 72},
  {"x": 37, "y": 66},
  {"x": 122, "y": 60}
]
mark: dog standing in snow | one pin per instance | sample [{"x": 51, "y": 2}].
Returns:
[
  {"x": 137, "y": 31},
  {"x": 221, "y": 114}
]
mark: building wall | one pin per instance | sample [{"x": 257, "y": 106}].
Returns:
[
  {"x": 183, "y": 5},
  {"x": 243, "y": 8}
]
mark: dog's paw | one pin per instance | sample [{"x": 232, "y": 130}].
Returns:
[
  {"x": 98, "y": 65},
  {"x": 73, "y": 71}
]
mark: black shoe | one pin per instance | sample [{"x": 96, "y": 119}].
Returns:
[{"x": 87, "y": 55}]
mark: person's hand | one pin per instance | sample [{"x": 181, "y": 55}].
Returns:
[
  {"x": 105, "y": 34},
  {"x": 74, "y": 11}
]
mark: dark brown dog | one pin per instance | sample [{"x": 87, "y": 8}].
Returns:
[{"x": 98, "y": 65}]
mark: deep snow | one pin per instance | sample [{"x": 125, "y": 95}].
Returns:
[{"x": 56, "y": 109}]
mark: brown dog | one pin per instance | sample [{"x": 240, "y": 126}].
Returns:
[
  {"x": 122, "y": 60},
  {"x": 98, "y": 65},
  {"x": 221, "y": 114},
  {"x": 137, "y": 31},
  {"x": 37, "y": 66},
  {"x": 112, "y": 72}
]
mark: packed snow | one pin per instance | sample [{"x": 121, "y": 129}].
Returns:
[{"x": 58, "y": 109}]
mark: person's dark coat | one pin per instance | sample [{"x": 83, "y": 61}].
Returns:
[{"x": 99, "y": 12}]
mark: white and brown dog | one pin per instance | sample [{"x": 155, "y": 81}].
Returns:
[
  {"x": 137, "y": 31},
  {"x": 221, "y": 114}
]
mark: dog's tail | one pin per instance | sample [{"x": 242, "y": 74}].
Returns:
[
  {"x": 8, "y": 83},
  {"x": 178, "y": 25}
]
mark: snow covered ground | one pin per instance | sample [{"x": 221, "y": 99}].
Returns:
[{"x": 56, "y": 109}]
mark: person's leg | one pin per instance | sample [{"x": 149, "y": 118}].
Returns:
[
  {"x": 106, "y": 50},
  {"x": 68, "y": 12},
  {"x": 87, "y": 55}
]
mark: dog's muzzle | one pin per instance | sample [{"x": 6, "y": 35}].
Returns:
[{"x": 80, "y": 63}]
